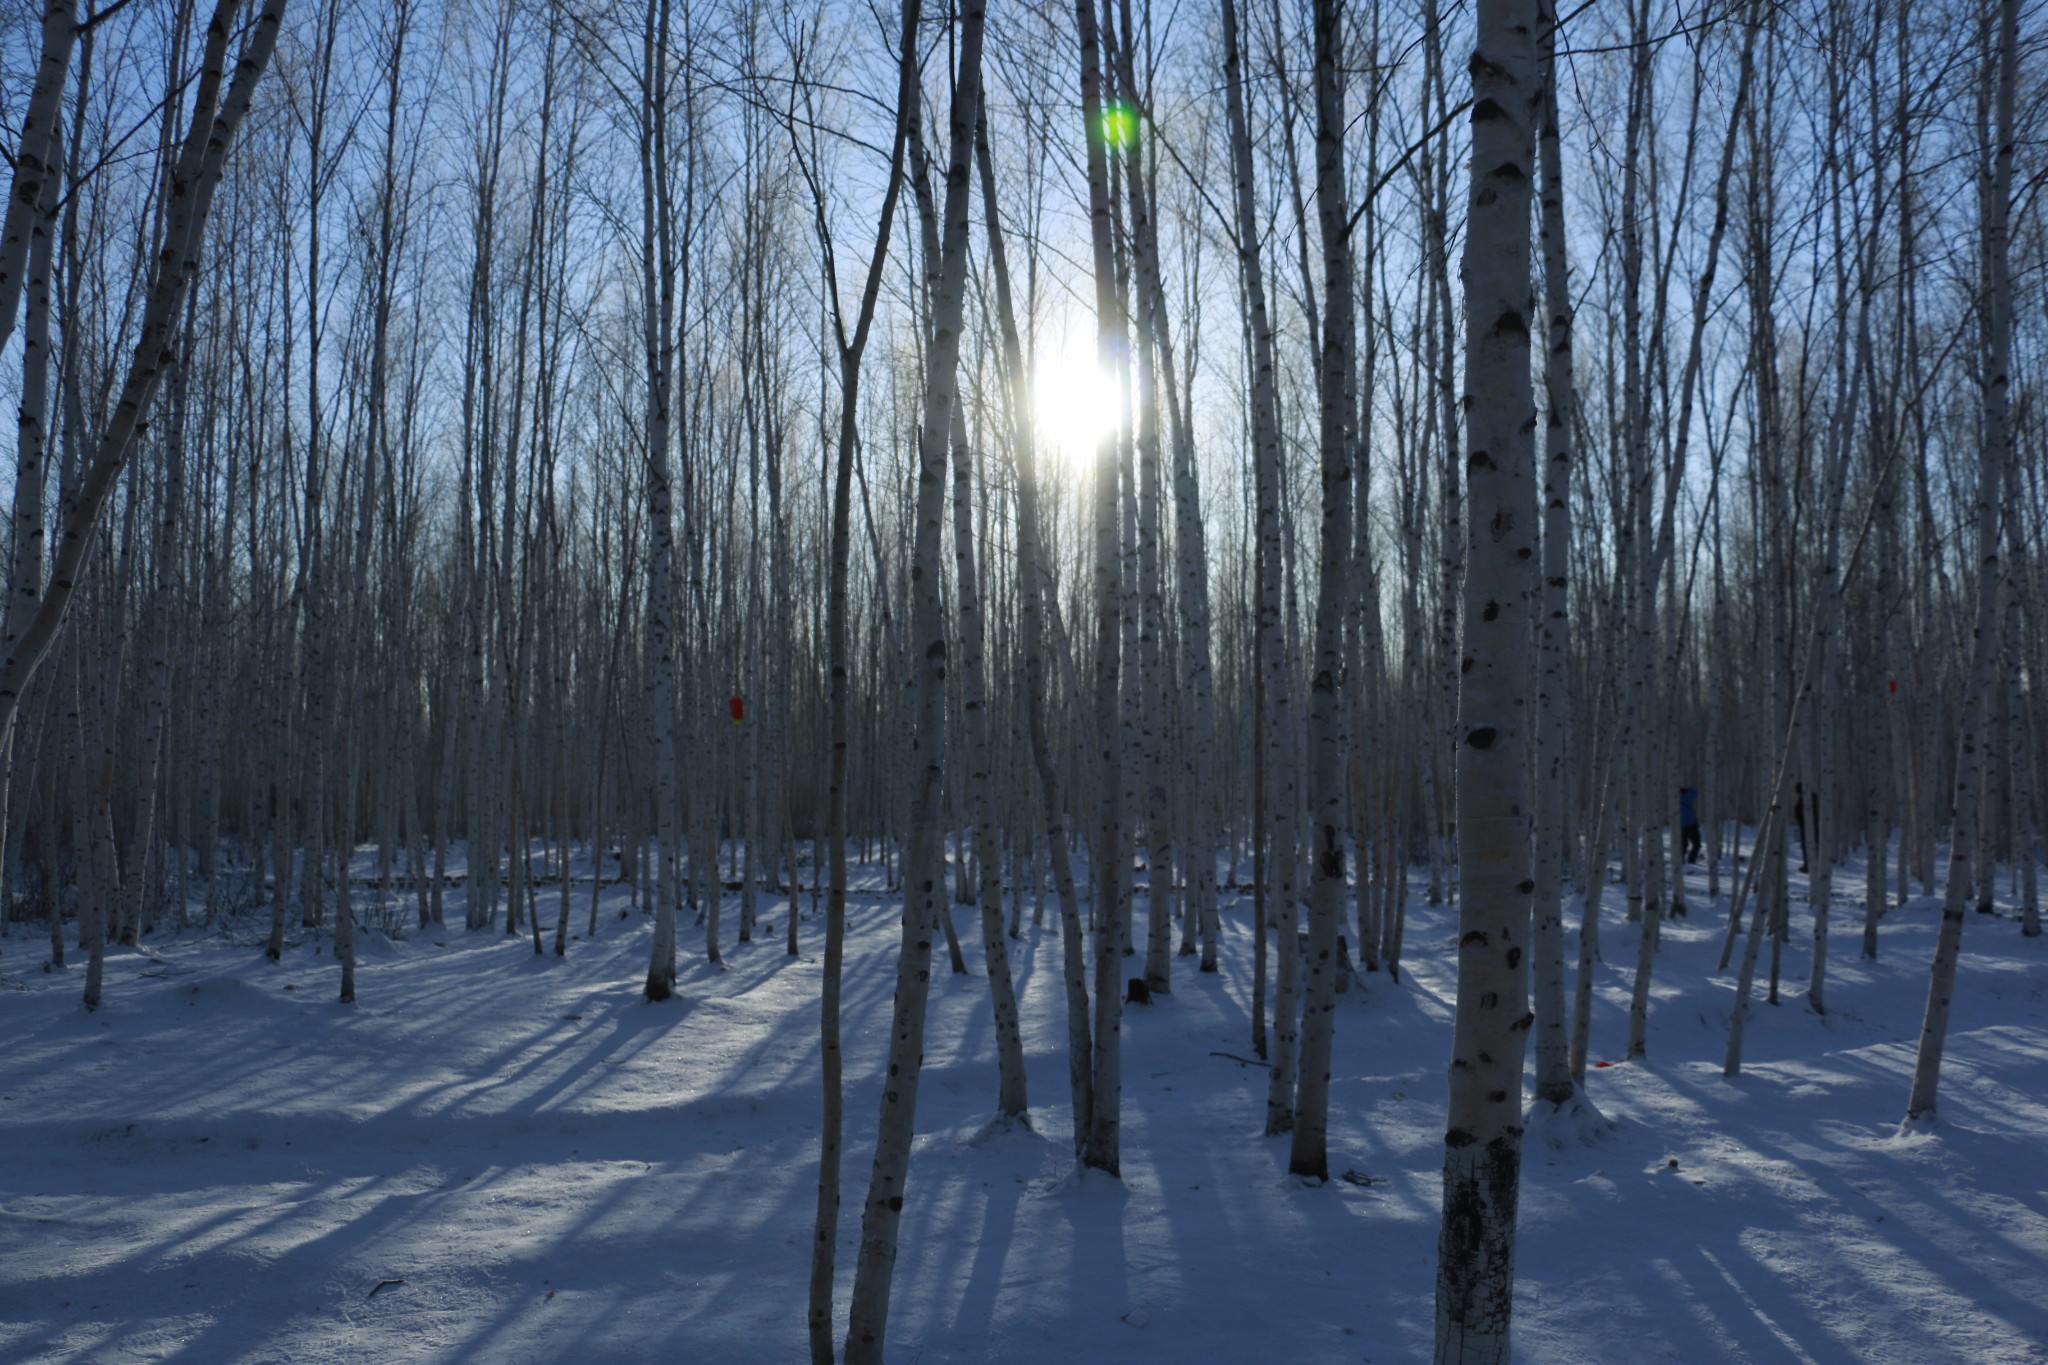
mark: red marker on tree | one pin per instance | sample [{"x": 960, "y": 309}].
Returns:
[{"x": 738, "y": 707}]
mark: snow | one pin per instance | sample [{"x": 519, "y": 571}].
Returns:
[{"x": 498, "y": 1157}]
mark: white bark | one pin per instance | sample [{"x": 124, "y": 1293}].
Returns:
[
  {"x": 924, "y": 879},
  {"x": 1555, "y": 1084},
  {"x": 1483, "y": 1140},
  {"x": 1109, "y": 898},
  {"x": 1010, "y": 1091},
  {"x": 1995, "y": 195},
  {"x": 1031, "y": 592},
  {"x": 1275, "y": 735},
  {"x": 1327, "y": 730},
  {"x": 851, "y": 348},
  {"x": 37, "y": 161},
  {"x": 658, "y": 286}
]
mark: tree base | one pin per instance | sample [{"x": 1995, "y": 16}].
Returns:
[{"x": 1576, "y": 1122}]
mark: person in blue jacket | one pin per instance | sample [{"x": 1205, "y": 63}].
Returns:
[{"x": 1689, "y": 823}]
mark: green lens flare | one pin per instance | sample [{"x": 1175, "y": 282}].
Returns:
[{"x": 1119, "y": 127}]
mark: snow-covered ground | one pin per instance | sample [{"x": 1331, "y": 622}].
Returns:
[{"x": 498, "y": 1157}]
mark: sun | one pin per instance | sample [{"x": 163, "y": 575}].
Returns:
[{"x": 1074, "y": 403}]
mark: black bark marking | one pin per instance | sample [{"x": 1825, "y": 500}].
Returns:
[{"x": 1476, "y": 1248}]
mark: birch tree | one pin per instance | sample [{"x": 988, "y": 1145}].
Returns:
[
  {"x": 658, "y": 314},
  {"x": 1011, "y": 1102},
  {"x": 1556, "y": 1084},
  {"x": 1103, "y": 1148},
  {"x": 924, "y": 880},
  {"x": 1995, "y": 436},
  {"x": 1327, "y": 738},
  {"x": 851, "y": 344},
  {"x": 220, "y": 104},
  {"x": 1031, "y": 580},
  {"x": 1273, "y": 709},
  {"x": 1483, "y": 1142}
]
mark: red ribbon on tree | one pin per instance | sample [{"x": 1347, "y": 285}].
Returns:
[{"x": 738, "y": 707}]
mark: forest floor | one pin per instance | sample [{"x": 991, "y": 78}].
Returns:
[{"x": 494, "y": 1156}]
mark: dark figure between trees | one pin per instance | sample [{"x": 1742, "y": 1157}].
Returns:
[
  {"x": 1689, "y": 822},
  {"x": 1799, "y": 819}
]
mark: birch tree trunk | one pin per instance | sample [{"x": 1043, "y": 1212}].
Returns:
[
  {"x": 851, "y": 347},
  {"x": 31, "y": 460},
  {"x": 658, "y": 287},
  {"x": 924, "y": 880},
  {"x": 1483, "y": 1143},
  {"x": 2027, "y": 845},
  {"x": 38, "y": 159},
  {"x": 1010, "y": 1093},
  {"x": 1103, "y": 1148},
  {"x": 1198, "y": 767},
  {"x": 1274, "y": 718},
  {"x": 1151, "y": 699},
  {"x": 1555, "y": 1081},
  {"x": 1327, "y": 738},
  {"x": 1995, "y": 194},
  {"x": 1031, "y": 594},
  {"x": 1436, "y": 175},
  {"x": 1658, "y": 794}
]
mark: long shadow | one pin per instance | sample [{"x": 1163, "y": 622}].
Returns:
[
  {"x": 1871, "y": 1238},
  {"x": 993, "y": 1240},
  {"x": 485, "y": 1101},
  {"x": 404, "y": 1217},
  {"x": 984, "y": 1217}
]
